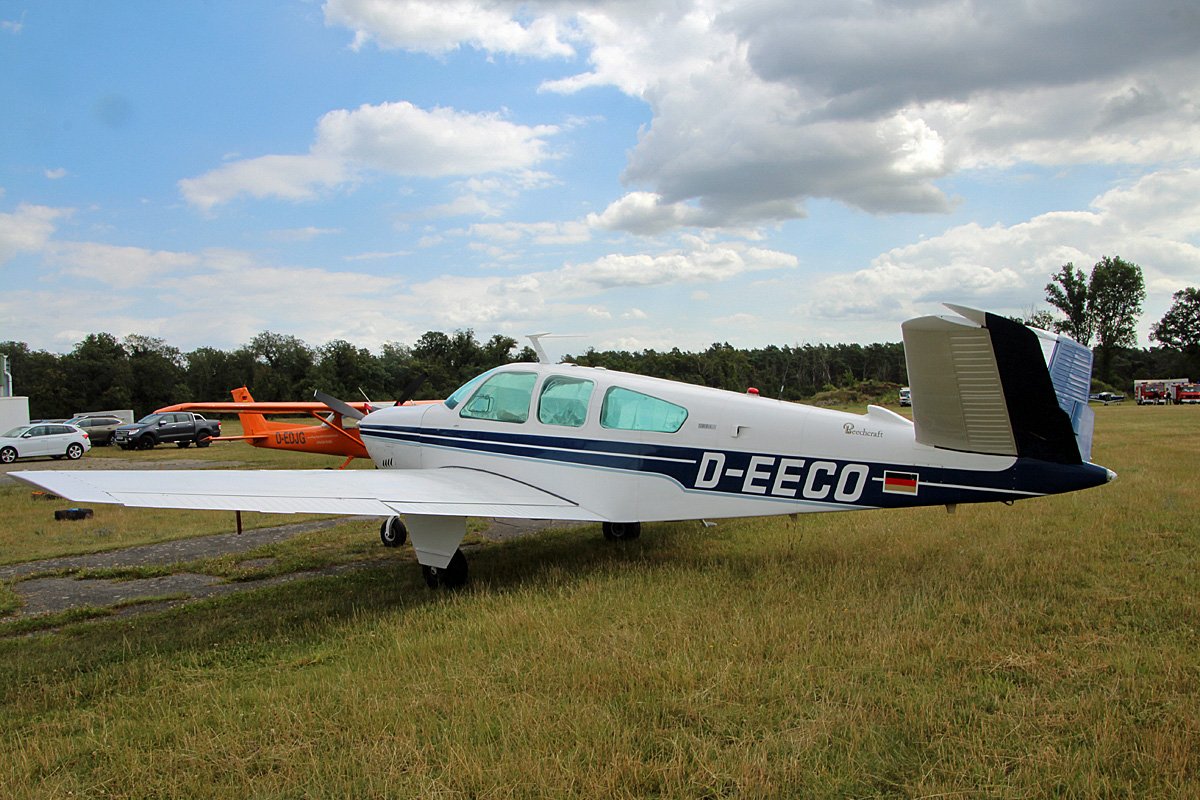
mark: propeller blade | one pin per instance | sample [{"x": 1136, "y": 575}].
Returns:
[
  {"x": 411, "y": 389},
  {"x": 337, "y": 405}
]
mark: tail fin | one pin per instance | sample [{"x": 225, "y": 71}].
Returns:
[
  {"x": 982, "y": 383},
  {"x": 252, "y": 424}
]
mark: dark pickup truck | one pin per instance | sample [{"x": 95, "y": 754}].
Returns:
[{"x": 180, "y": 427}]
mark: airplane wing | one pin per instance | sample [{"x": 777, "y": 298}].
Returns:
[
  {"x": 452, "y": 491},
  {"x": 297, "y": 408},
  {"x": 255, "y": 407}
]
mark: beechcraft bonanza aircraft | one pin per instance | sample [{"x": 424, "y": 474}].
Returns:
[{"x": 1000, "y": 413}]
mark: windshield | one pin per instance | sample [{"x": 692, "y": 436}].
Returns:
[
  {"x": 463, "y": 391},
  {"x": 16, "y": 432},
  {"x": 149, "y": 418}
]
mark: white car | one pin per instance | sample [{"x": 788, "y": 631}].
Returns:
[{"x": 53, "y": 439}]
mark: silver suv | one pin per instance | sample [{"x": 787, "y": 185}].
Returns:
[{"x": 99, "y": 428}]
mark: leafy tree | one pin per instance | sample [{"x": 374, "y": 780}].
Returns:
[
  {"x": 343, "y": 370},
  {"x": 39, "y": 376},
  {"x": 282, "y": 366},
  {"x": 157, "y": 371},
  {"x": 1180, "y": 327},
  {"x": 1115, "y": 295},
  {"x": 212, "y": 374},
  {"x": 1068, "y": 291},
  {"x": 97, "y": 376}
]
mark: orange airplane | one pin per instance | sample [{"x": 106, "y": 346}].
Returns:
[{"x": 330, "y": 437}]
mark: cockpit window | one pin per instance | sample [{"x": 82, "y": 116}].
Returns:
[
  {"x": 504, "y": 397},
  {"x": 464, "y": 391},
  {"x": 633, "y": 411},
  {"x": 564, "y": 401}
]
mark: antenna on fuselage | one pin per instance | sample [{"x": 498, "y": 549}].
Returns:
[{"x": 536, "y": 340}]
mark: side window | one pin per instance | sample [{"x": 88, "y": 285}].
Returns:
[
  {"x": 504, "y": 397},
  {"x": 564, "y": 401},
  {"x": 633, "y": 411},
  {"x": 40, "y": 430}
]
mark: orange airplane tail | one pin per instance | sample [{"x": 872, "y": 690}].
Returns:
[{"x": 253, "y": 425}]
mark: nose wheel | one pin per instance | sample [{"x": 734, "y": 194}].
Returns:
[
  {"x": 393, "y": 532},
  {"x": 452, "y": 576}
]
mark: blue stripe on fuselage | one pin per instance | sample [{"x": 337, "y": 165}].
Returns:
[{"x": 765, "y": 476}]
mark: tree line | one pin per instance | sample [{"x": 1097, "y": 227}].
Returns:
[{"x": 143, "y": 373}]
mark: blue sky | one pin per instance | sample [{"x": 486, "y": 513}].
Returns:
[{"x": 644, "y": 174}]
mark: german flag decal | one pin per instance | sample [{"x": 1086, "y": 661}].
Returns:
[{"x": 900, "y": 482}]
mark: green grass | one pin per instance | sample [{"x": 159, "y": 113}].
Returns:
[
  {"x": 1048, "y": 649},
  {"x": 31, "y": 533}
]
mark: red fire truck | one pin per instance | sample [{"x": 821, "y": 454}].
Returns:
[
  {"x": 1187, "y": 393},
  {"x": 1158, "y": 392}
]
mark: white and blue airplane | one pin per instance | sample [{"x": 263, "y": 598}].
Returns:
[{"x": 1000, "y": 413}]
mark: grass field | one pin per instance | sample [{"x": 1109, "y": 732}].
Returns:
[
  {"x": 31, "y": 532},
  {"x": 1048, "y": 649}
]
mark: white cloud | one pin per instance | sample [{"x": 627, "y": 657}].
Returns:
[
  {"x": 305, "y": 234},
  {"x": 402, "y": 139},
  {"x": 439, "y": 26},
  {"x": 1005, "y": 268},
  {"x": 286, "y": 177},
  {"x": 27, "y": 230},
  {"x": 758, "y": 107},
  {"x": 376, "y": 256},
  {"x": 392, "y": 138},
  {"x": 118, "y": 267},
  {"x": 645, "y": 214},
  {"x": 55, "y": 174},
  {"x": 13, "y": 27},
  {"x": 544, "y": 233},
  {"x": 540, "y": 297}
]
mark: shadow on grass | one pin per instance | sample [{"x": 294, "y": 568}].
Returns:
[{"x": 276, "y": 616}]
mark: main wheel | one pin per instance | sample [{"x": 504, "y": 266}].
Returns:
[
  {"x": 452, "y": 577},
  {"x": 621, "y": 531},
  {"x": 74, "y": 450},
  {"x": 8, "y": 455},
  {"x": 145, "y": 443},
  {"x": 203, "y": 440},
  {"x": 393, "y": 532}
]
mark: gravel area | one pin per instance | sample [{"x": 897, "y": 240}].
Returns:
[{"x": 52, "y": 595}]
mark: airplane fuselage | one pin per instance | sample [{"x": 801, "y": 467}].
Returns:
[{"x": 634, "y": 448}]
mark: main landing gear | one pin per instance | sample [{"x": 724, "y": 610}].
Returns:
[
  {"x": 394, "y": 533},
  {"x": 452, "y": 577},
  {"x": 621, "y": 531}
]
